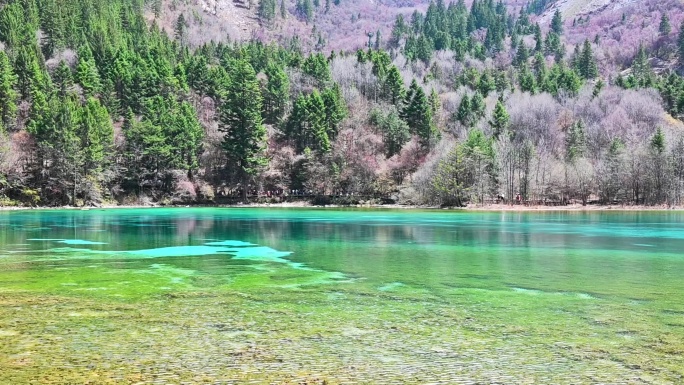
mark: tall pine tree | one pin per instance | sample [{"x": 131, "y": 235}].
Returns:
[
  {"x": 8, "y": 95},
  {"x": 241, "y": 122},
  {"x": 276, "y": 94}
]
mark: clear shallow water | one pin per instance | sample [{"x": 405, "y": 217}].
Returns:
[{"x": 345, "y": 296}]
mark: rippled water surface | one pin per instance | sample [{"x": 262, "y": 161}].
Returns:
[{"x": 261, "y": 296}]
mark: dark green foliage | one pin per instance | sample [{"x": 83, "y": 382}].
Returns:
[
  {"x": 553, "y": 46},
  {"x": 314, "y": 120},
  {"x": 418, "y": 114},
  {"x": 130, "y": 72},
  {"x": 642, "y": 74},
  {"x": 381, "y": 63},
  {"x": 444, "y": 28},
  {"x": 97, "y": 137},
  {"x": 399, "y": 30},
  {"x": 471, "y": 109},
  {"x": 539, "y": 40},
  {"x": 435, "y": 105},
  {"x": 538, "y": 6},
  {"x": 478, "y": 107},
  {"x": 267, "y": 10},
  {"x": 658, "y": 142},
  {"x": 317, "y": 128},
  {"x": 394, "y": 86},
  {"x": 501, "y": 80},
  {"x": 305, "y": 9},
  {"x": 179, "y": 128},
  {"x": 598, "y": 87},
  {"x": 30, "y": 76},
  {"x": 316, "y": 66},
  {"x": 527, "y": 80},
  {"x": 394, "y": 130},
  {"x": 562, "y": 79},
  {"x": 283, "y": 9},
  {"x": 335, "y": 109},
  {"x": 450, "y": 178},
  {"x": 539, "y": 68},
  {"x": 306, "y": 126},
  {"x": 521, "y": 56},
  {"x": 180, "y": 29},
  {"x": 124, "y": 67},
  {"x": 8, "y": 95},
  {"x": 15, "y": 30},
  {"x": 276, "y": 94},
  {"x": 53, "y": 27},
  {"x": 87, "y": 74},
  {"x": 584, "y": 61},
  {"x": 146, "y": 152},
  {"x": 167, "y": 138},
  {"x": 575, "y": 142},
  {"x": 672, "y": 90},
  {"x": 464, "y": 112},
  {"x": 486, "y": 84},
  {"x": 500, "y": 119},
  {"x": 241, "y": 122},
  {"x": 74, "y": 144},
  {"x": 557, "y": 23},
  {"x": 63, "y": 79},
  {"x": 664, "y": 28}
]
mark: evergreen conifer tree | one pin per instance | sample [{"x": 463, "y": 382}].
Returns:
[
  {"x": 267, "y": 10},
  {"x": 316, "y": 123},
  {"x": 180, "y": 28},
  {"x": 500, "y": 119},
  {"x": 665, "y": 28},
  {"x": 62, "y": 79},
  {"x": 521, "y": 55},
  {"x": 587, "y": 63},
  {"x": 283, "y": 10},
  {"x": 557, "y": 23},
  {"x": 478, "y": 107},
  {"x": 86, "y": 73},
  {"x": 240, "y": 120},
  {"x": 418, "y": 115},
  {"x": 539, "y": 41},
  {"x": 394, "y": 85},
  {"x": 464, "y": 112},
  {"x": 8, "y": 95},
  {"x": 276, "y": 94},
  {"x": 335, "y": 109},
  {"x": 97, "y": 136}
]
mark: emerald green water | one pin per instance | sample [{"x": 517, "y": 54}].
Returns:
[{"x": 170, "y": 296}]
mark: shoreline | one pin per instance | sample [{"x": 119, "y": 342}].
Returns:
[{"x": 305, "y": 204}]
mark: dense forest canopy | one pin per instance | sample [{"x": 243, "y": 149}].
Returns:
[{"x": 460, "y": 104}]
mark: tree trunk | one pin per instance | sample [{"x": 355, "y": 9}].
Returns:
[{"x": 245, "y": 180}]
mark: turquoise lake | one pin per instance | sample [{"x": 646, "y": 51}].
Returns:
[{"x": 341, "y": 296}]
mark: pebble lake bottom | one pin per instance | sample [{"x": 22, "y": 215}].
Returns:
[{"x": 344, "y": 296}]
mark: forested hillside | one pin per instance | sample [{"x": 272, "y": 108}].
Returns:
[{"x": 459, "y": 104}]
